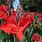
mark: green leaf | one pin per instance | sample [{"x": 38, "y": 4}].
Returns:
[
  {"x": 1, "y": 34},
  {"x": 39, "y": 31},
  {"x": 36, "y": 16},
  {"x": 30, "y": 34}
]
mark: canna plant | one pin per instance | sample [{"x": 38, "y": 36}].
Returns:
[{"x": 29, "y": 26}]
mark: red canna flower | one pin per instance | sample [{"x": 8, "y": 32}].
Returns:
[
  {"x": 11, "y": 25},
  {"x": 13, "y": 29}
]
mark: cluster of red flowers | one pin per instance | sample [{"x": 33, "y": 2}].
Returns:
[
  {"x": 36, "y": 38},
  {"x": 11, "y": 25}
]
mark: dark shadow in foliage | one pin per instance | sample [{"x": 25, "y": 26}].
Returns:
[
  {"x": 32, "y": 5},
  {"x": 11, "y": 38}
]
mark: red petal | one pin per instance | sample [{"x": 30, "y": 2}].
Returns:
[
  {"x": 19, "y": 35},
  {"x": 4, "y": 7},
  {"x": 40, "y": 19},
  {"x": 34, "y": 36},
  {"x": 23, "y": 20}
]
